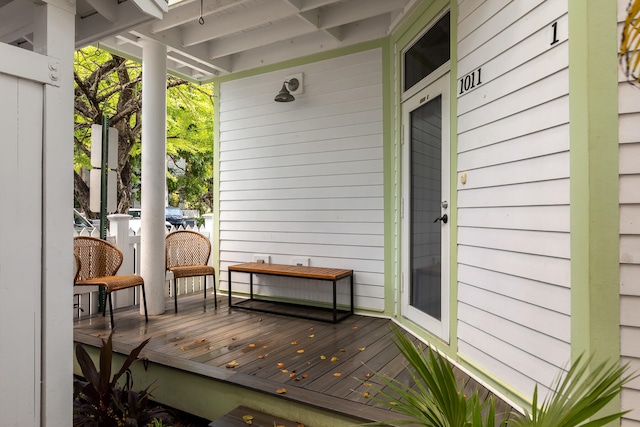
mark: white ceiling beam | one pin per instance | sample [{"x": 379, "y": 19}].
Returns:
[
  {"x": 16, "y": 20},
  {"x": 314, "y": 4},
  {"x": 356, "y": 10},
  {"x": 108, "y": 9},
  {"x": 172, "y": 39},
  {"x": 260, "y": 37},
  {"x": 95, "y": 27},
  {"x": 312, "y": 43},
  {"x": 234, "y": 22},
  {"x": 154, "y": 8},
  {"x": 190, "y": 12}
]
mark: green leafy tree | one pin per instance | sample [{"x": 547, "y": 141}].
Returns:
[{"x": 110, "y": 85}]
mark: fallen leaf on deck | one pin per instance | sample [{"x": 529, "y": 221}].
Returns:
[
  {"x": 294, "y": 342},
  {"x": 279, "y": 425},
  {"x": 248, "y": 419},
  {"x": 393, "y": 403},
  {"x": 300, "y": 425},
  {"x": 260, "y": 356},
  {"x": 354, "y": 327},
  {"x": 300, "y": 351},
  {"x": 265, "y": 346},
  {"x": 337, "y": 374},
  {"x": 323, "y": 357},
  {"x": 312, "y": 336},
  {"x": 233, "y": 338},
  {"x": 280, "y": 365},
  {"x": 292, "y": 375},
  {"x": 202, "y": 340},
  {"x": 367, "y": 394},
  {"x": 367, "y": 375},
  {"x": 184, "y": 348},
  {"x": 281, "y": 390},
  {"x": 334, "y": 359},
  {"x": 310, "y": 329},
  {"x": 362, "y": 348},
  {"x": 252, "y": 345},
  {"x": 284, "y": 371},
  {"x": 367, "y": 384},
  {"x": 305, "y": 375},
  {"x": 232, "y": 364}
]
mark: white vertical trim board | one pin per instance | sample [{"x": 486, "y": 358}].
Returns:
[
  {"x": 513, "y": 207},
  {"x": 305, "y": 178},
  {"x": 20, "y": 251}
]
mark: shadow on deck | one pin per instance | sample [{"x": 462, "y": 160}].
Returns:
[{"x": 320, "y": 365}]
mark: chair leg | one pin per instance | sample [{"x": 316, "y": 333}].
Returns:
[
  {"x": 175, "y": 294},
  {"x": 205, "y": 287},
  {"x": 144, "y": 301},
  {"x": 110, "y": 309},
  {"x": 215, "y": 295}
]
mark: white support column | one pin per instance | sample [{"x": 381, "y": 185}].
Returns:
[
  {"x": 154, "y": 136},
  {"x": 54, "y": 22}
]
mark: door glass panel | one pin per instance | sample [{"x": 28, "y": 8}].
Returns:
[{"x": 426, "y": 197}]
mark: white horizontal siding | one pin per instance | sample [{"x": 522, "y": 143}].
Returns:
[
  {"x": 629, "y": 169},
  {"x": 305, "y": 179},
  {"x": 514, "y": 272}
]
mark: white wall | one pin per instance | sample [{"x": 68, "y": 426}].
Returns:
[
  {"x": 629, "y": 164},
  {"x": 305, "y": 179},
  {"x": 513, "y": 145}
]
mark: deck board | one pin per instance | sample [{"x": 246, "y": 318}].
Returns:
[{"x": 203, "y": 340}]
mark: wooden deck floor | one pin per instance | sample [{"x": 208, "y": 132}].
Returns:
[{"x": 319, "y": 364}]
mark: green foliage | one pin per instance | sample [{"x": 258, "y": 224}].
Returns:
[
  {"x": 577, "y": 397},
  {"x": 109, "y": 85},
  {"x": 436, "y": 401},
  {"x": 102, "y": 401}
]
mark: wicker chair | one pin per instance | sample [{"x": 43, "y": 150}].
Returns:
[
  {"x": 99, "y": 262},
  {"x": 187, "y": 254}
]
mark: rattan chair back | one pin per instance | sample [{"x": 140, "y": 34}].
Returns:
[
  {"x": 186, "y": 248},
  {"x": 97, "y": 258}
]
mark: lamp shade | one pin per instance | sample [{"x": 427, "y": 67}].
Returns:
[{"x": 284, "y": 95}]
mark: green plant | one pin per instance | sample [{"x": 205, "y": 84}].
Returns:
[
  {"x": 436, "y": 400},
  {"x": 577, "y": 397},
  {"x": 102, "y": 401}
]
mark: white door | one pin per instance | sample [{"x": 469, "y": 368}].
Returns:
[{"x": 425, "y": 205}]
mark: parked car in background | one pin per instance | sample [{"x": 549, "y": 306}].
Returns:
[
  {"x": 81, "y": 223},
  {"x": 135, "y": 223},
  {"x": 175, "y": 217}
]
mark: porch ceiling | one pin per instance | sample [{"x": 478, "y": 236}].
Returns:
[{"x": 232, "y": 36}]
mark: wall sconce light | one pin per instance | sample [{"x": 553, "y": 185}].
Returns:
[{"x": 292, "y": 84}]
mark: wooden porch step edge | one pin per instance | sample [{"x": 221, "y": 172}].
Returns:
[
  {"x": 235, "y": 418},
  {"x": 330, "y": 404}
]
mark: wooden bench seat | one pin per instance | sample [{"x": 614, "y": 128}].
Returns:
[{"x": 302, "y": 272}]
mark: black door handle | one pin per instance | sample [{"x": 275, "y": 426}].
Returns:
[{"x": 444, "y": 218}]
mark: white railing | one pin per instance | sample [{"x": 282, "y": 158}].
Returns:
[{"x": 128, "y": 241}]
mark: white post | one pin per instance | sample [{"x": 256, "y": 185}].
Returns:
[
  {"x": 119, "y": 227},
  {"x": 54, "y": 35},
  {"x": 154, "y": 120}
]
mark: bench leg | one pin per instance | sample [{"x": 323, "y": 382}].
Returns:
[
  {"x": 229, "y": 284},
  {"x": 335, "y": 304}
]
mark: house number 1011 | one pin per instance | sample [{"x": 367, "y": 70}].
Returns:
[{"x": 470, "y": 81}]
